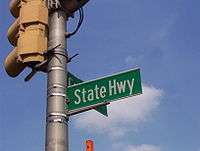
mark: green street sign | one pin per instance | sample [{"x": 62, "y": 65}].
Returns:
[
  {"x": 106, "y": 89},
  {"x": 72, "y": 80}
]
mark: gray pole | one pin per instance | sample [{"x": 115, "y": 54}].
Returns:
[{"x": 56, "y": 119}]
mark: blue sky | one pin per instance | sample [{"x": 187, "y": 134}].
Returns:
[{"x": 159, "y": 36}]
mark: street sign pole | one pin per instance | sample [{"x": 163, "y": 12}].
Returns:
[{"x": 56, "y": 119}]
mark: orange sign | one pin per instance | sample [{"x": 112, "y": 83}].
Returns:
[{"x": 89, "y": 145}]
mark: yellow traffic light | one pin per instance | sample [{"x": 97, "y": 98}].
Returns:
[
  {"x": 15, "y": 7},
  {"x": 28, "y": 34},
  {"x": 12, "y": 65}
]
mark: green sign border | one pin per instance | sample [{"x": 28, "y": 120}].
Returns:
[{"x": 124, "y": 74}]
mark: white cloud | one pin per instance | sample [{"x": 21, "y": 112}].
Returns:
[
  {"x": 143, "y": 147},
  {"x": 124, "y": 115},
  {"x": 130, "y": 60},
  {"x": 160, "y": 36}
]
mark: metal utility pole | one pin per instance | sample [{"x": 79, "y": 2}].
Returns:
[{"x": 56, "y": 119}]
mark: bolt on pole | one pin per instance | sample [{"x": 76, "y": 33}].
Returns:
[{"x": 56, "y": 119}]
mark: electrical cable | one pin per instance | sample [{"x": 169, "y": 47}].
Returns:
[{"x": 81, "y": 17}]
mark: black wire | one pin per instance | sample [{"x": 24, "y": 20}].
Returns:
[{"x": 81, "y": 17}]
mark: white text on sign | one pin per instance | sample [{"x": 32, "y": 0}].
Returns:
[{"x": 114, "y": 88}]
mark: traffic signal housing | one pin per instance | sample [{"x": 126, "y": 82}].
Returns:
[{"x": 28, "y": 34}]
